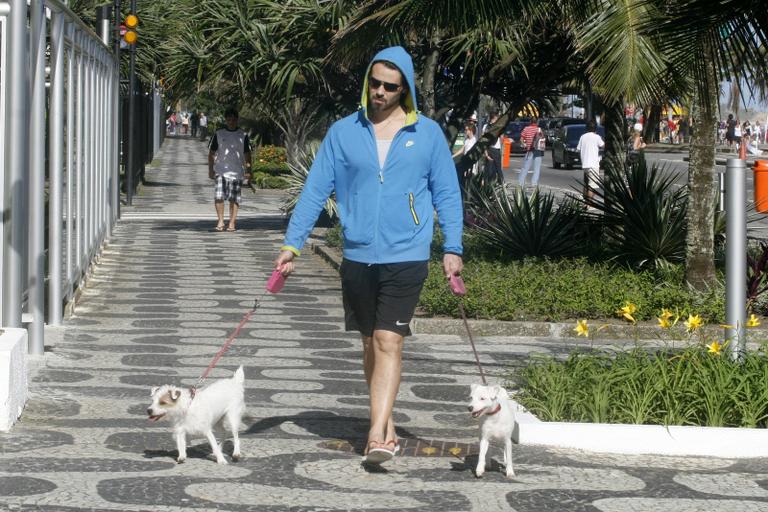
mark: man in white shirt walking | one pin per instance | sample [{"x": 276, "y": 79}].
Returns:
[{"x": 589, "y": 149}]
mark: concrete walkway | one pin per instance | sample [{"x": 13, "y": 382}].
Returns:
[{"x": 167, "y": 292}]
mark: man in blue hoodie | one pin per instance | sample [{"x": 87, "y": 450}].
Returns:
[{"x": 391, "y": 169}]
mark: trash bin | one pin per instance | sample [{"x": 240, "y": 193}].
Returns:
[
  {"x": 506, "y": 149},
  {"x": 761, "y": 185}
]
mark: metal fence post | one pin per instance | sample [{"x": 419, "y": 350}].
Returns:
[
  {"x": 736, "y": 255},
  {"x": 36, "y": 272},
  {"x": 56, "y": 163},
  {"x": 71, "y": 124},
  {"x": 15, "y": 163}
]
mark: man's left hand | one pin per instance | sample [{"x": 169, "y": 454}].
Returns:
[{"x": 452, "y": 265}]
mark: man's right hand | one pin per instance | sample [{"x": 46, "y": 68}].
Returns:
[{"x": 284, "y": 262}]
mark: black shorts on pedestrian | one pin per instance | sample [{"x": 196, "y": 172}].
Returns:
[{"x": 381, "y": 296}]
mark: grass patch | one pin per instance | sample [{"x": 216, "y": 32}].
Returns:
[
  {"x": 691, "y": 386},
  {"x": 566, "y": 289}
]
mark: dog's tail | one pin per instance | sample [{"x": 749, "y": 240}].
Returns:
[{"x": 239, "y": 375}]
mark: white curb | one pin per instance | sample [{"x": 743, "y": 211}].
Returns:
[
  {"x": 641, "y": 439},
  {"x": 13, "y": 375}
]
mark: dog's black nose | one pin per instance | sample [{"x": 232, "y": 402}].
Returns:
[
  {"x": 149, "y": 411},
  {"x": 469, "y": 408}
]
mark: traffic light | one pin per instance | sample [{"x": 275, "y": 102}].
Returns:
[{"x": 130, "y": 23}]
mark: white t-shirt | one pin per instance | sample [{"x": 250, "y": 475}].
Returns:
[
  {"x": 468, "y": 143},
  {"x": 589, "y": 147},
  {"x": 382, "y": 148},
  {"x": 497, "y": 144}
]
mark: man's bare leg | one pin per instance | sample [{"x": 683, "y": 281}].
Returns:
[
  {"x": 368, "y": 360},
  {"x": 232, "y": 215},
  {"x": 220, "y": 214},
  {"x": 387, "y": 348}
]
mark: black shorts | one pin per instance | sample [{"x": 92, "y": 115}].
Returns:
[{"x": 381, "y": 296}]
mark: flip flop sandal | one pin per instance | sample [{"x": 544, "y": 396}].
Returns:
[
  {"x": 219, "y": 228},
  {"x": 395, "y": 446},
  {"x": 378, "y": 454},
  {"x": 231, "y": 230}
]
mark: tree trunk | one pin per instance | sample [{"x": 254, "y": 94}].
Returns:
[
  {"x": 428, "y": 107},
  {"x": 651, "y": 127},
  {"x": 702, "y": 184},
  {"x": 588, "y": 110},
  {"x": 615, "y": 135}
]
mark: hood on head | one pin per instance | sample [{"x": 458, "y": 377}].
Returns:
[{"x": 400, "y": 58}]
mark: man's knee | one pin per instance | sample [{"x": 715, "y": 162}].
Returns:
[{"x": 387, "y": 342}]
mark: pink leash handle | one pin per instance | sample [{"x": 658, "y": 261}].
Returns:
[
  {"x": 276, "y": 281},
  {"x": 458, "y": 289}
]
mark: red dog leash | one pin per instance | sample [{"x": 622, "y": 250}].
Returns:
[
  {"x": 459, "y": 290},
  {"x": 274, "y": 285}
]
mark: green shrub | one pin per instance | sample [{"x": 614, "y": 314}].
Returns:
[
  {"x": 519, "y": 225},
  {"x": 270, "y": 160},
  {"x": 698, "y": 385},
  {"x": 557, "y": 290},
  {"x": 643, "y": 214},
  {"x": 334, "y": 237},
  {"x": 264, "y": 180}
]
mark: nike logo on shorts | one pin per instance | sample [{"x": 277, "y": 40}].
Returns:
[{"x": 400, "y": 324}]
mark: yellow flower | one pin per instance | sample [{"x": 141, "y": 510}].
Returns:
[
  {"x": 753, "y": 321},
  {"x": 715, "y": 347},
  {"x": 693, "y": 322},
  {"x": 666, "y": 314},
  {"x": 627, "y": 311},
  {"x": 582, "y": 329},
  {"x": 664, "y": 322}
]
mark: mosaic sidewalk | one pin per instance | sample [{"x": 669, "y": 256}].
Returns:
[{"x": 167, "y": 292}]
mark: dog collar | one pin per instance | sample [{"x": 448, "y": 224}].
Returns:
[{"x": 497, "y": 409}]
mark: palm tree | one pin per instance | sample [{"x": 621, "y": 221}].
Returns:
[{"x": 710, "y": 41}]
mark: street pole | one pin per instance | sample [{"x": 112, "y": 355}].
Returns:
[
  {"x": 735, "y": 256},
  {"x": 131, "y": 120},
  {"x": 118, "y": 105}
]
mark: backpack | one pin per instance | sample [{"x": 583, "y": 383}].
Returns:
[{"x": 539, "y": 141}]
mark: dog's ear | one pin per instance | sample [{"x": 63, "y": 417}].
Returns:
[
  {"x": 496, "y": 391},
  {"x": 153, "y": 390},
  {"x": 175, "y": 394}
]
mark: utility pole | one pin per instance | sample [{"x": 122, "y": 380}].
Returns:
[
  {"x": 131, "y": 120},
  {"x": 119, "y": 104}
]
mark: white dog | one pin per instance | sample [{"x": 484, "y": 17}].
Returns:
[
  {"x": 222, "y": 400},
  {"x": 497, "y": 420}
]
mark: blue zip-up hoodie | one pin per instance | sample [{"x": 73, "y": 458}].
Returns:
[{"x": 386, "y": 214}]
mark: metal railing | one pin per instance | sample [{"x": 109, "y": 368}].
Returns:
[{"x": 58, "y": 122}]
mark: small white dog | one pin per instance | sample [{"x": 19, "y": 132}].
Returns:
[
  {"x": 497, "y": 420},
  {"x": 222, "y": 400}
]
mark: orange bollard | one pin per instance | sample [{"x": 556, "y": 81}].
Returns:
[
  {"x": 761, "y": 185},
  {"x": 506, "y": 149}
]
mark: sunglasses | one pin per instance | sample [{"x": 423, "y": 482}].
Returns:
[{"x": 388, "y": 86}]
